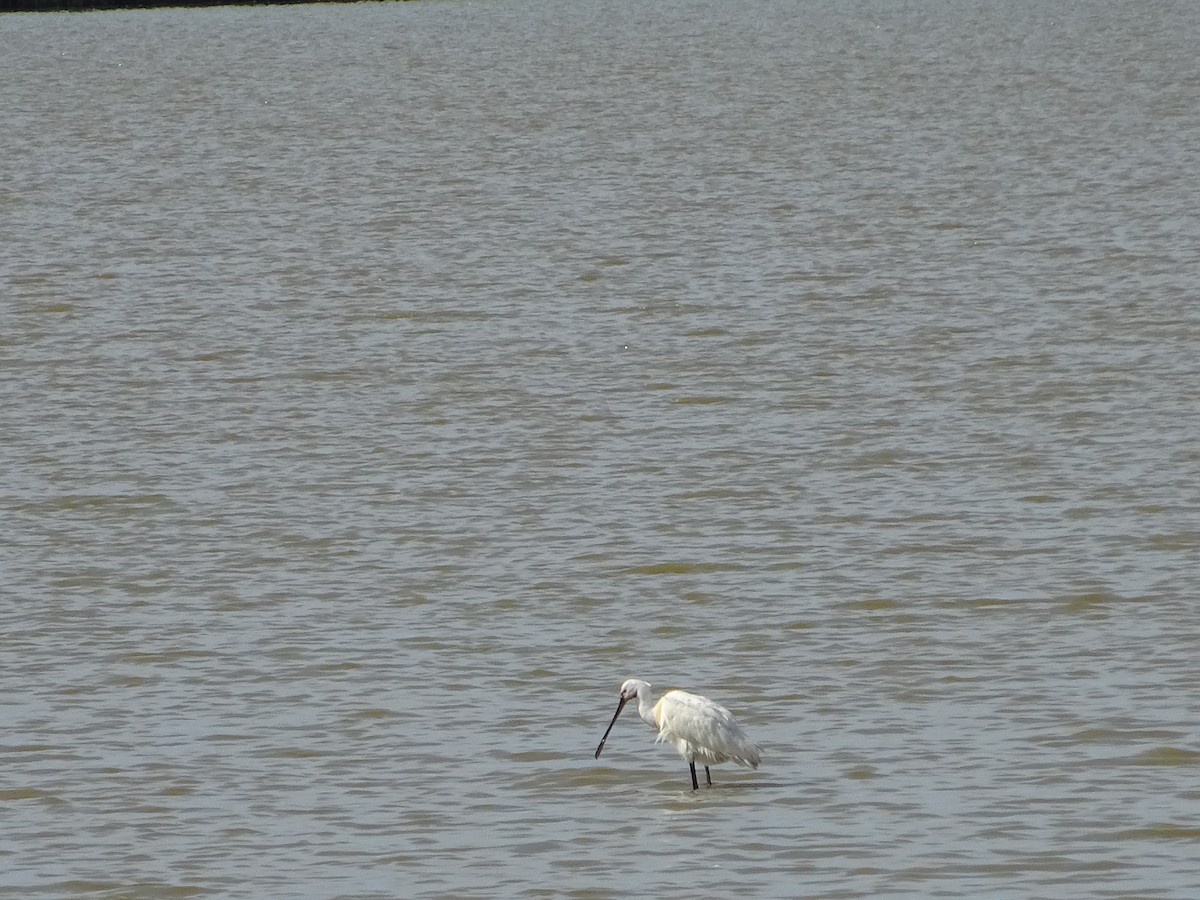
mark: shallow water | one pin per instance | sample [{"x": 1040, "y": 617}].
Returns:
[{"x": 386, "y": 383}]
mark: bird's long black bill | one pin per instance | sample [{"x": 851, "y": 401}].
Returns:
[{"x": 620, "y": 706}]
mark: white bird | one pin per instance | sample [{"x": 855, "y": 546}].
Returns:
[{"x": 702, "y": 731}]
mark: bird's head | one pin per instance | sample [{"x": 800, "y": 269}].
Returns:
[
  {"x": 631, "y": 688},
  {"x": 629, "y": 691}
]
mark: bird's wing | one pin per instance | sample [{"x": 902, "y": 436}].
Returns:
[
  {"x": 706, "y": 726},
  {"x": 692, "y": 706}
]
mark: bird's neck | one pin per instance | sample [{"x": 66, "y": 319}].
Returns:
[{"x": 646, "y": 706}]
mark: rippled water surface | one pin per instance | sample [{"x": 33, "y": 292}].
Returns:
[{"x": 383, "y": 384}]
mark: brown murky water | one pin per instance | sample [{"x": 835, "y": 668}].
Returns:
[{"x": 383, "y": 384}]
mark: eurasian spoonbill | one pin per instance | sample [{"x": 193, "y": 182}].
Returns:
[{"x": 702, "y": 731}]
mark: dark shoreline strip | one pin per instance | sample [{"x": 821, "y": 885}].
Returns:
[{"x": 88, "y": 5}]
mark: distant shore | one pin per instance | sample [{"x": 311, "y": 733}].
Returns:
[{"x": 85, "y": 5}]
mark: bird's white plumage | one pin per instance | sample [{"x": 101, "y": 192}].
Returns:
[{"x": 702, "y": 731}]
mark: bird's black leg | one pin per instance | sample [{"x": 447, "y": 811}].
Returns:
[
  {"x": 695, "y": 783},
  {"x": 707, "y": 776}
]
